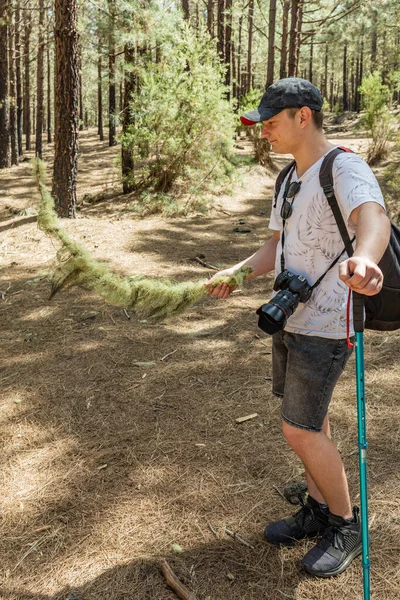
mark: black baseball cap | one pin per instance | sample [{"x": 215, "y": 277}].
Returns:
[{"x": 285, "y": 93}]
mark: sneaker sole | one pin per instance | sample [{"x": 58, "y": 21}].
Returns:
[{"x": 356, "y": 552}]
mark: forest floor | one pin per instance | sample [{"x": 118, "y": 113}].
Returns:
[{"x": 119, "y": 441}]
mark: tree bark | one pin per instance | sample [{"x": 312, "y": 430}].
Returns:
[
  {"x": 100, "y": 129},
  {"x": 221, "y": 27},
  {"x": 298, "y": 33},
  {"x": 345, "y": 92},
  {"x": 49, "y": 137},
  {"x": 66, "y": 107},
  {"x": 26, "y": 114},
  {"x": 126, "y": 153},
  {"x": 111, "y": 76},
  {"x": 5, "y": 155},
  {"x": 228, "y": 44},
  {"x": 293, "y": 38},
  {"x": 239, "y": 56},
  {"x": 18, "y": 74},
  {"x": 40, "y": 83},
  {"x": 249, "y": 80},
  {"x": 210, "y": 18},
  {"x": 374, "y": 39},
  {"x": 81, "y": 119},
  {"x": 185, "y": 8},
  {"x": 310, "y": 68},
  {"x": 285, "y": 20},
  {"x": 325, "y": 85},
  {"x": 271, "y": 43},
  {"x": 13, "y": 86}
]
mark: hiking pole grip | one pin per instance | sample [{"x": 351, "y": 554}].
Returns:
[{"x": 358, "y": 312}]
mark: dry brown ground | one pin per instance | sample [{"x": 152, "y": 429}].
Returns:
[{"x": 119, "y": 438}]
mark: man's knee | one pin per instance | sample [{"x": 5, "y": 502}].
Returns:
[{"x": 298, "y": 439}]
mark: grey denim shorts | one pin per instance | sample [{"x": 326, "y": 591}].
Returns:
[{"x": 305, "y": 370}]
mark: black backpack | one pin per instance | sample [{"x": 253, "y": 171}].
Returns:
[{"x": 382, "y": 311}]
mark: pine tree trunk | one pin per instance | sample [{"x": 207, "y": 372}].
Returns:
[
  {"x": 228, "y": 43},
  {"x": 239, "y": 56},
  {"x": 126, "y": 153},
  {"x": 325, "y": 86},
  {"x": 18, "y": 74},
  {"x": 185, "y": 8},
  {"x": 66, "y": 107},
  {"x": 210, "y": 18},
  {"x": 271, "y": 43},
  {"x": 298, "y": 33},
  {"x": 293, "y": 38},
  {"x": 80, "y": 96},
  {"x": 249, "y": 79},
  {"x": 233, "y": 64},
  {"x": 111, "y": 76},
  {"x": 100, "y": 129},
  {"x": 5, "y": 155},
  {"x": 40, "y": 83},
  {"x": 13, "y": 86},
  {"x": 345, "y": 92},
  {"x": 374, "y": 39},
  {"x": 310, "y": 66},
  {"x": 285, "y": 21},
  {"x": 49, "y": 137},
  {"x": 26, "y": 115},
  {"x": 221, "y": 27}
]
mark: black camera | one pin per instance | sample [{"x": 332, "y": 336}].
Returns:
[{"x": 293, "y": 289}]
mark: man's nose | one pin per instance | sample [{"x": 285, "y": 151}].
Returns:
[{"x": 264, "y": 132}]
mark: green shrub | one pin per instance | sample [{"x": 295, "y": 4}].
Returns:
[
  {"x": 183, "y": 126},
  {"x": 375, "y": 99}
]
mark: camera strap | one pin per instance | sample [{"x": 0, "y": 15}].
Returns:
[
  {"x": 348, "y": 245},
  {"x": 285, "y": 193}
]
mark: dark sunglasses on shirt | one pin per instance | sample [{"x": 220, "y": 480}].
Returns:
[{"x": 287, "y": 207}]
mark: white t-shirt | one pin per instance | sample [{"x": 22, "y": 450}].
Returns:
[{"x": 313, "y": 241}]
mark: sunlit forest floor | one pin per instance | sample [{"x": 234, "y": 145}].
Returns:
[{"x": 119, "y": 439}]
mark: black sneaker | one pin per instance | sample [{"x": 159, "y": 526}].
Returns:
[
  {"x": 337, "y": 548},
  {"x": 311, "y": 520}
]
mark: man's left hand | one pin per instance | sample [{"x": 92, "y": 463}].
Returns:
[{"x": 361, "y": 275}]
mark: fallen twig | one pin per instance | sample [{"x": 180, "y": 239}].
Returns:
[
  {"x": 205, "y": 264},
  {"x": 179, "y": 588},
  {"x": 211, "y": 528},
  {"x": 279, "y": 492},
  {"x": 237, "y": 537},
  {"x": 169, "y": 354}
]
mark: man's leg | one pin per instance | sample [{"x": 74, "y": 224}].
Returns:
[{"x": 328, "y": 482}]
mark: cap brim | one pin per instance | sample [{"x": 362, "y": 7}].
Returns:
[{"x": 253, "y": 117}]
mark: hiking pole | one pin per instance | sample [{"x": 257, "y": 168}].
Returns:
[{"x": 358, "y": 319}]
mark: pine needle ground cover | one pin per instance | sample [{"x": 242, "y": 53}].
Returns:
[{"x": 119, "y": 438}]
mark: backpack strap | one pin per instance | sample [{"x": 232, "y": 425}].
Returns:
[
  {"x": 326, "y": 181},
  {"x": 281, "y": 178}
]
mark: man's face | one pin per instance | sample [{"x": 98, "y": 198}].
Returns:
[{"x": 283, "y": 132}]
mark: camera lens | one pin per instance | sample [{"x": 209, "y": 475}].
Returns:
[{"x": 274, "y": 314}]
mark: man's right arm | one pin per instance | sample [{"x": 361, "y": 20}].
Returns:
[{"x": 261, "y": 262}]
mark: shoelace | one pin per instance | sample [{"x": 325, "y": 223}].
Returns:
[
  {"x": 304, "y": 511},
  {"x": 337, "y": 535}
]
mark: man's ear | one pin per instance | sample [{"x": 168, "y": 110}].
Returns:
[{"x": 304, "y": 115}]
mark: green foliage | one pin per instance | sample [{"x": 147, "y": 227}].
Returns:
[
  {"x": 376, "y": 97},
  {"x": 183, "y": 128},
  {"x": 148, "y": 297}
]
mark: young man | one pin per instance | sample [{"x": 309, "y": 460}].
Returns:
[{"x": 310, "y": 353}]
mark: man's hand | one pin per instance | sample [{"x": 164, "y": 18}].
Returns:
[
  {"x": 361, "y": 275},
  {"x": 222, "y": 290}
]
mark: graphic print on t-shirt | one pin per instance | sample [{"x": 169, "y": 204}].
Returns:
[{"x": 313, "y": 241}]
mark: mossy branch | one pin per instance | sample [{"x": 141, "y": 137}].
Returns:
[{"x": 148, "y": 297}]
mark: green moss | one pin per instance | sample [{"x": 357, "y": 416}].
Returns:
[{"x": 148, "y": 297}]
